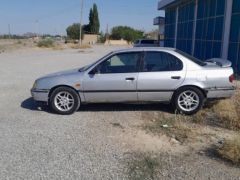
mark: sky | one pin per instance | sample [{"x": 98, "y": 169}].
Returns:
[{"x": 53, "y": 16}]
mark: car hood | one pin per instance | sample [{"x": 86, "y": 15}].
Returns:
[
  {"x": 62, "y": 73},
  {"x": 68, "y": 78}
]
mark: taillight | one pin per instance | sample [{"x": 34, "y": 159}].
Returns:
[{"x": 231, "y": 78}]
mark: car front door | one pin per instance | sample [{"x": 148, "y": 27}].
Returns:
[
  {"x": 161, "y": 73},
  {"x": 114, "y": 79}
]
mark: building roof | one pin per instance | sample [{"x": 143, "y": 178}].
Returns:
[{"x": 163, "y": 3}]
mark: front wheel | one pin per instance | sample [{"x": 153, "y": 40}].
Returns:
[
  {"x": 64, "y": 101},
  {"x": 189, "y": 100}
]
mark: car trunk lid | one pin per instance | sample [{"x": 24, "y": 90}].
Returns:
[{"x": 219, "y": 62}]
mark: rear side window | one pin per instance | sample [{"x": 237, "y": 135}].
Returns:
[{"x": 161, "y": 61}]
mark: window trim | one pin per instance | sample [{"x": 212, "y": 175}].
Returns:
[{"x": 143, "y": 59}]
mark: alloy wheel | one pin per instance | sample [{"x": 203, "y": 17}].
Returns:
[
  {"x": 64, "y": 101},
  {"x": 188, "y": 101}
]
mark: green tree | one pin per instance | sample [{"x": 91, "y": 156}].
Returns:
[
  {"x": 86, "y": 29},
  {"x": 73, "y": 31},
  {"x": 90, "y": 25},
  {"x": 127, "y": 33},
  {"x": 94, "y": 23},
  {"x": 102, "y": 37}
]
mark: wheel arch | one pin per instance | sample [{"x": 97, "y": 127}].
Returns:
[
  {"x": 58, "y": 86},
  {"x": 193, "y": 86}
]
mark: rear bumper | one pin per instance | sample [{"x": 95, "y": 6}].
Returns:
[
  {"x": 40, "y": 95},
  {"x": 218, "y": 93}
]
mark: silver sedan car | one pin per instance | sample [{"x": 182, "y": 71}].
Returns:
[{"x": 138, "y": 75}]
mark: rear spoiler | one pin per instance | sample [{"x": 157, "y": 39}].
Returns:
[{"x": 220, "y": 62}]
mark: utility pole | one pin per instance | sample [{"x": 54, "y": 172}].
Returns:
[
  {"x": 37, "y": 28},
  {"x": 107, "y": 33},
  {"x": 80, "y": 37},
  {"x": 9, "y": 31}
]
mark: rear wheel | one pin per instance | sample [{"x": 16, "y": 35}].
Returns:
[
  {"x": 189, "y": 100},
  {"x": 64, "y": 101}
]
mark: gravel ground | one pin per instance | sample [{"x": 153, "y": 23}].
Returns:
[
  {"x": 94, "y": 143},
  {"x": 40, "y": 145}
]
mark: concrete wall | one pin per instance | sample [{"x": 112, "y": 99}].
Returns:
[
  {"x": 116, "y": 42},
  {"x": 90, "y": 39}
]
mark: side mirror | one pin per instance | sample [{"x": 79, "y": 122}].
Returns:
[{"x": 93, "y": 71}]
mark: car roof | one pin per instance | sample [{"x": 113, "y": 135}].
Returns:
[{"x": 136, "y": 49}]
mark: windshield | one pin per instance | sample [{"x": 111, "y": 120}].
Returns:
[
  {"x": 197, "y": 61},
  {"x": 93, "y": 64}
]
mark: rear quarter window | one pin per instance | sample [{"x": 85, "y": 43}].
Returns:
[{"x": 193, "y": 59}]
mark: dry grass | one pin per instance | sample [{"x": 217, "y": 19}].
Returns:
[
  {"x": 223, "y": 113},
  {"x": 143, "y": 166},
  {"x": 231, "y": 150},
  {"x": 228, "y": 112},
  {"x": 173, "y": 126},
  {"x": 1, "y": 48},
  {"x": 13, "y": 44},
  {"x": 77, "y": 46},
  {"x": 58, "y": 47}
]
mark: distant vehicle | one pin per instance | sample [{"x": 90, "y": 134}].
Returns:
[
  {"x": 146, "y": 43},
  {"x": 138, "y": 75}
]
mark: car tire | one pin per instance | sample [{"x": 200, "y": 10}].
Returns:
[
  {"x": 189, "y": 100},
  {"x": 64, "y": 101}
]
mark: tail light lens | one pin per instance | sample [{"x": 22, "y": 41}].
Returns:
[{"x": 231, "y": 78}]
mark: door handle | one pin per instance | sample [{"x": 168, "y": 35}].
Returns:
[
  {"x": 176, "y": 77},
  {"x": 130, "y": 79}
]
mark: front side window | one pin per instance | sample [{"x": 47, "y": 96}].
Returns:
[
  {"x": 161, "y": 61},
  {"x": 120, "y": 63}
]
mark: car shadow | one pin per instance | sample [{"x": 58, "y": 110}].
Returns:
[
  {"x": 127, "y": 107},
  {"x": 31, "y": 105}
]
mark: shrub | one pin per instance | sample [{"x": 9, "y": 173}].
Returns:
[
  {"x": 78, "y": 46},
  {"x": 231, "y": 150},
  {"x": 46, "y": 43},
  {"x": 228, "y": 112}
]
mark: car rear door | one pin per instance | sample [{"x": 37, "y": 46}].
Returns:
[
  {"x": 161, "y": 73},
  {"x": 115, "y": 79}
]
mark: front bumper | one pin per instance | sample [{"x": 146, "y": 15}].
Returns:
[
  {"x": 218, "y": 93},
  {"x": 40, "y": 95}
]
